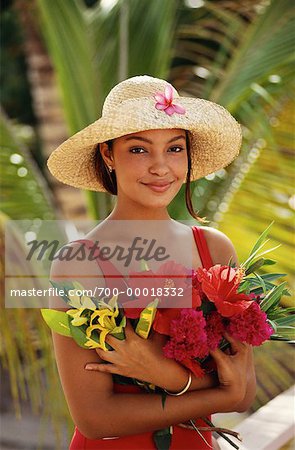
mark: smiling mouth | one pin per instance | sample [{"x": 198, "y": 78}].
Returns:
[{"x": 158, "y": 187}]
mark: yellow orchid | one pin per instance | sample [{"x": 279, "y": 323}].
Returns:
[
  {"x": 92, "y": 344},
  {"x": 77, "y": 319},
  {"x": 104, "y": 321},
  {"x": 77, "y": 322},
  {"x": 78, "y": 301},
  {"x": 75, "y": 312}
]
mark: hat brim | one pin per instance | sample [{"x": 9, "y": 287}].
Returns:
[{"x": 215, "y": 138}]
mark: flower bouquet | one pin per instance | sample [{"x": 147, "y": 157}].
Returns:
[{"x": 225, "y": 298}]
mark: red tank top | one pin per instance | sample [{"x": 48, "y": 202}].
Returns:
[{"x": 182, "y": 438}]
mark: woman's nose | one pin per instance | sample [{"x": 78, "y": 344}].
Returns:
[{"x": 159, "y": 166}]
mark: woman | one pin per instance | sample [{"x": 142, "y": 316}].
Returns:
[{"x": 148, "y": 142}]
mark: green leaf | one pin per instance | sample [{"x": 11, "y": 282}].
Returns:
[
  {"x": 273, "y": 297},
  {"x": 254, "y": 284},
  {"x": 119, "y": 332},
  {"x": 79, "y": 335},
  {"x": 58, "y": 321},
  {"x": 262, "y": 283},
  {"x": 163, "y": 398},
  {"x": 146, "y": 319},
  {"x": 272, "y": 276},
  {"x": 18, "y": 200},
  {"x": 273, "y": 324},
  {"x": 255, "y": 266},
  {"x": 286, "y": 333},
  {"x": 288, "y": 320},
  {"x": 269, "y": 262},
  {"x": 259, "y": 290},
  {"x": 289, "y": 310},
  {"x": 256, "y": 254},
  {"x": 120, "y": 336},
  {"x": 231, "y": 263},
  {"x": 244, "y": 287},
  {"x": 260, "y": 241},
  {"x": 162, "y": 438}
]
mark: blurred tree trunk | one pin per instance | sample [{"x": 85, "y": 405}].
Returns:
[{"x": 51, "y": 127}]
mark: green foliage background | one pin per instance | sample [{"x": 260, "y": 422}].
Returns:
[{"x": 238, "y": 54}]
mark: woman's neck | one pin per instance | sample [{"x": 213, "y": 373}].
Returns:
[{"x": 120, "y": 213}]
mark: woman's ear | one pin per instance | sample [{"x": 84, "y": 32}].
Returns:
[{"x": 106, "y": 154}]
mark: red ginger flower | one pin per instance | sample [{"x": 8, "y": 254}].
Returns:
[
  {"x": 169, "y": 275},
  {"x": 251, "y": 326},
  {"x": 220, "y": 285}
]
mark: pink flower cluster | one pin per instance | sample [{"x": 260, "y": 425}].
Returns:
[
  {"x": 188, "y": 336},
  {"x": 251, "y": 326},
  {"x": 192, "y": 336},
  {"x": 214, "y": 329}
]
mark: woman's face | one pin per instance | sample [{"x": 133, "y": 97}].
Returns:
[{"x": 150, "y": 166}]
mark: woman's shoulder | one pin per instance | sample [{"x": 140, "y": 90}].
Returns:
[
  {"x": 74, "y": 262},
  {"x": 73, "y": 254},
  {"x": 220, "y": 246}
]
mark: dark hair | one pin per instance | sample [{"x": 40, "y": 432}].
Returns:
[
  {"x": 106, "y": 178},
  {"x": 188, "y": 195},
  {"x": 109, "y": 181}
]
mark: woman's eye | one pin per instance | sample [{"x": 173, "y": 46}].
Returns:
[
  {"x": 137, "y": 150},
  {"x": 176, "y": 149}
]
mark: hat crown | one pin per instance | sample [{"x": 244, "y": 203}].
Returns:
[{"x": 135, "y": 87}]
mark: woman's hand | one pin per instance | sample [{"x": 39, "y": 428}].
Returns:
[
  {"x": 232, "y": 371},
  {"x": 142, "y": 359},
  {"x": 251, "y": 385}
]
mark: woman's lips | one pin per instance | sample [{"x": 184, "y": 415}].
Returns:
[{"x": 158, "y": 187}]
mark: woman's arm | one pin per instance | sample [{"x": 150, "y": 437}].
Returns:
[
  {"x": 98, "y": 412},
  {"x": 143, "y": 359}
]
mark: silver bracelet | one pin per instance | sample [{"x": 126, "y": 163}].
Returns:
[{"x": 175, "y": 394}]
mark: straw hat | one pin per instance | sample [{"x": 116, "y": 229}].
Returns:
[{"x": 146, "y": 103}]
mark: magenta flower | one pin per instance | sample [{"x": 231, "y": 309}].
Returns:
[
  {"x": 214, "y": 329},
  {"x": 188, "y": 338},
  {"x": 251, "y": 326},
  {"x": 165, "y": 102}
]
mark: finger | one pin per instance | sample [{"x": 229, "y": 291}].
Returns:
[
  {"x": 218, "y": 355},
  {"x": 236, "y": 345},
  {"x": 113, "y": 341},
  {"x": 104, "y": 368},
  {"x": 129, "y": 331},
  {"x": 110, "y": 356},
  {"x": 93, "y": 366}
]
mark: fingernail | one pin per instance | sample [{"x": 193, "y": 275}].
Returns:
[{"x": 88, "y": 367}]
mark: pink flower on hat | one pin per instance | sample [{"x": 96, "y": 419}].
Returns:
[{"x": 165, "y": 102}]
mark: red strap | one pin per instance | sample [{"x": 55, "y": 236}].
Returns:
[{"x": 202, "y": 247}]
